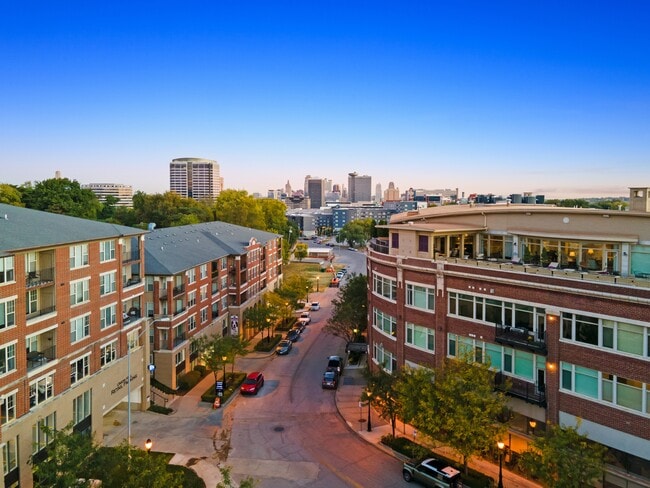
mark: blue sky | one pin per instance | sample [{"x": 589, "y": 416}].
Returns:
[{"x": 499, "y": 97}]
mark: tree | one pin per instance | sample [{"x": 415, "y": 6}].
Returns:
[
  {"x": 355, "y": 232},
  {"x": 294, "y": 289},
  {"x": 274, "y": 213},
  {"x": 236, "y": 346},
  {"x": 127, "y": 467},
  {"x": 382, "y": 393},
  {"x": 300, "y": 251},
  {"x": 61, "y": 196},
  {"x": 260, "y": 317},
  {"x": 67, "y": 459},
  {"x": 213, "y": 351},
  {"x": 169, "y": 209},
  {"x": 564, "y": 458},
  {"x": 10, "y": 195},
  {"x": 349, "y": 317},
  {"x": 227, "y": 482},
  {"x": 239, "y": 208}
]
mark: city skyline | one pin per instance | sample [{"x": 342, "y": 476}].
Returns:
[{"x": 501, "y": 99}]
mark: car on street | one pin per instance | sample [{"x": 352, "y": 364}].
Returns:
[
  {"x": 351, "y": 249},
  {"x": 252, "y": 384},
  {"x": 433, "y": 473},
  {"x": 283, "y": 347},
  {"x": 335, "y": 363},
  {"x": 330, "y": 379},
  {"x": 335, "y": 282},
  {"x": 292, "y": 335},
  {"x": 305, "y": 317},
  {"x": 315, "y": 306}
]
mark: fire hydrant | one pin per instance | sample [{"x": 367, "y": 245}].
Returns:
[{"x": 217, "y": 403}]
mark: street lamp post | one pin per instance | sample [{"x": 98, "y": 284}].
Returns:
[
  {"x": 500, "y": 445},
  {"x": 307, "y": 293},
  {"x": 225, "y": 358},
  {"x": 317, "y": 284},
  {"x": 369, "y": 426}
]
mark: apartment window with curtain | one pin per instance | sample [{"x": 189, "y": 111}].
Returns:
[{"x": 423, "y": 243}]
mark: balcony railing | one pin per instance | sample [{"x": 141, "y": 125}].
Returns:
[
  {"x": 130, "y": 255},
  {"x": 40, "y": 312},
  {"x": 179, "y": 339},
  {"x": 36, "y": 359},
  {"x": 517, "y": 388},
  {"x": 132, "y": 281},
  {"x": 521, "y": 338},
  {"x": 179, "y": 289},
  {"x": 40, "y": 277}
]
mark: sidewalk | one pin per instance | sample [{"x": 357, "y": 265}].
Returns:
[{"x": 347, "y": 403}]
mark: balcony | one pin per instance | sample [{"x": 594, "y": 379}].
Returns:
[
  {"x": 132, "y": 316},
  {"x": 130, "y": 255},
  {"x": 41, "y": 350},
  {"x": 521, "y": 338},
  {"x": 41, "y": 277},
  {"x": 132, "y": 281},
  {"x": 179, "y": 339},
  {"x": 517, "y": 388},
  {"x": 179, "y": 289}
]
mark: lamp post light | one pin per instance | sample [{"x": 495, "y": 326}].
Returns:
[
  {"x": 356, "y": 335},
  {"x": 147, "y": 445},
  {"x": 500, "y": 445},
  {"x": 307, "y": 293},
  {"x": 532, "y": 424},
  {"x": 317, "y": 284},
  {"x": 225, "y": 358},
  {"x": 369, "y": 426}
]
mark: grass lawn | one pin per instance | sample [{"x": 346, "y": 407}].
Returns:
[{"x": 311, "y": 271}]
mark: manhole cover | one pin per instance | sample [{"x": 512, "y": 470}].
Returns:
[{"x": 278, "y": 428}]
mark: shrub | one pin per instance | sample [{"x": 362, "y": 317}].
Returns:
[
  {"x": 201, "y": 369},
  {"x": 268, "y": 345},
  {"x": 160, "y": 409},
  {"x": 188, "y": 380},
  {"x": 233, "y": 383}
]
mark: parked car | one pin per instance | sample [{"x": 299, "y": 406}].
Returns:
[
  {"x": 299, "y": 327},
  {"x": 292, "y": 335},
  {"x": 305, "y": 317},
  {"x": 335, "y": 363},
  {"x": 315, "y": 306},
  {"x": 432, "y": 473},
  {"x": 351, "y": 249},
  {"x": 330, "y": 379},
  {"x": 283, "y": 347},
  {"x": 335, "y": 282},
  {"x": 252, "y": 384}
]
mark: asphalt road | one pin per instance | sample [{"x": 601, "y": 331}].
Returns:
[{"x": 290, "y": 434}]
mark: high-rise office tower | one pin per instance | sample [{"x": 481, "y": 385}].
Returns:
[
  {"x": 359, "y": 187},
  {"x": 378, "y": 194},
  {"x": 195, "y": 178},
  {"x": 392, "y": 193},
  {"x": 315, "y": 188}
]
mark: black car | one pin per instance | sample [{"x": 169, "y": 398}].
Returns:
[
  {"x": 292, "y": 335},
  {"x": 330, "y": 379},
  {"x": 284, "y": 347},
  {"x": 335, "y": 363}
]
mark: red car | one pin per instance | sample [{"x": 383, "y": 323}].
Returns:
[{"x": 252, "y": 383}]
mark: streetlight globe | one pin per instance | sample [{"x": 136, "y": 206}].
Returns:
[
  {"x": 501, "y": 445},
  {"x": 148, "y": 445}
]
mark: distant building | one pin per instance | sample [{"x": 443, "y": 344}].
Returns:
[
  {"x": 123, "y": 193},
  {"x": 378, "y": 194},
  {"x": 359, "y": 188},
  {"x": 392, "y": 193},
  {"x": 315, "y": 189},
  {"x": 195, "y": 178}
]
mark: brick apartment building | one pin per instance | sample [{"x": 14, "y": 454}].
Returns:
[
  {"x": 557, "y": 299},
  {"x": 71, "y": 292},
  {"x": 199, "y": 281}
]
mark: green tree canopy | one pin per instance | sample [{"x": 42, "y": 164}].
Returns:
[
  {"x": 564, "y": 458},
  {"x": 350, "y": 309},
  {"x": 300, "y": 251},
  {"x": 383, "y": 394},
  {"x": 273, "y": 211},
  {"x": 169, "y": 209},
  {"x": 355, "y": 232},
  {"x": 239, "y": 208},
  {"x": 61, "y": 196},
  {"x": 11, "y": 195}
]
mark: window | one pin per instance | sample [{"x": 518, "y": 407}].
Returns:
[
  {"x": 133, "y": 339},
  {"x": 7, "y": 313},
  {"x": 191, "y": 275},
  {"x": 7, "y": 269},
  {"x": 40, "y": 436},
  {"x": 385, "y": 322},
  {"x": 41, "y": 390},
  {"x": 107, "y": 283},
  {"x": 191, "y": 299},
  {"x": 79, "y": 369},
  {"x": 78, "y": 256},
  {"x": 420, "y": 337},
  {"x": 81, "y": 407},
  {"x": 423, "y": 243},
  {"x": 420, "y": 297},
  {"x": 79, "y": 328},
  {"x": 203, "y": 270},
  {"x": 204, "y": 315},
  {"x": 108, "y": 316},
  {"x": 384, "y": 287},
  {"x": 108, "y": 353},
  {"x": 394, "y": 240},
  {"x": 32, "y": 301},
  {"x": 180, "y": 357},
  {"x": 7, "y": 358},
  {"x": 79, "y": 291},
  {"x": 8, "y": 409},
  {"x": 191, "y": 321},
  {"x": 204, "y": 293},
  {"x": 106, "y": 251},
  {"x": 384, "y": 358},
  {"x": 9, "y": 455}
]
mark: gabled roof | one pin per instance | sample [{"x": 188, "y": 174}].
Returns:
[
  {"x": 173, "y": 250},
  {"x": 23, "y": 229}
]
